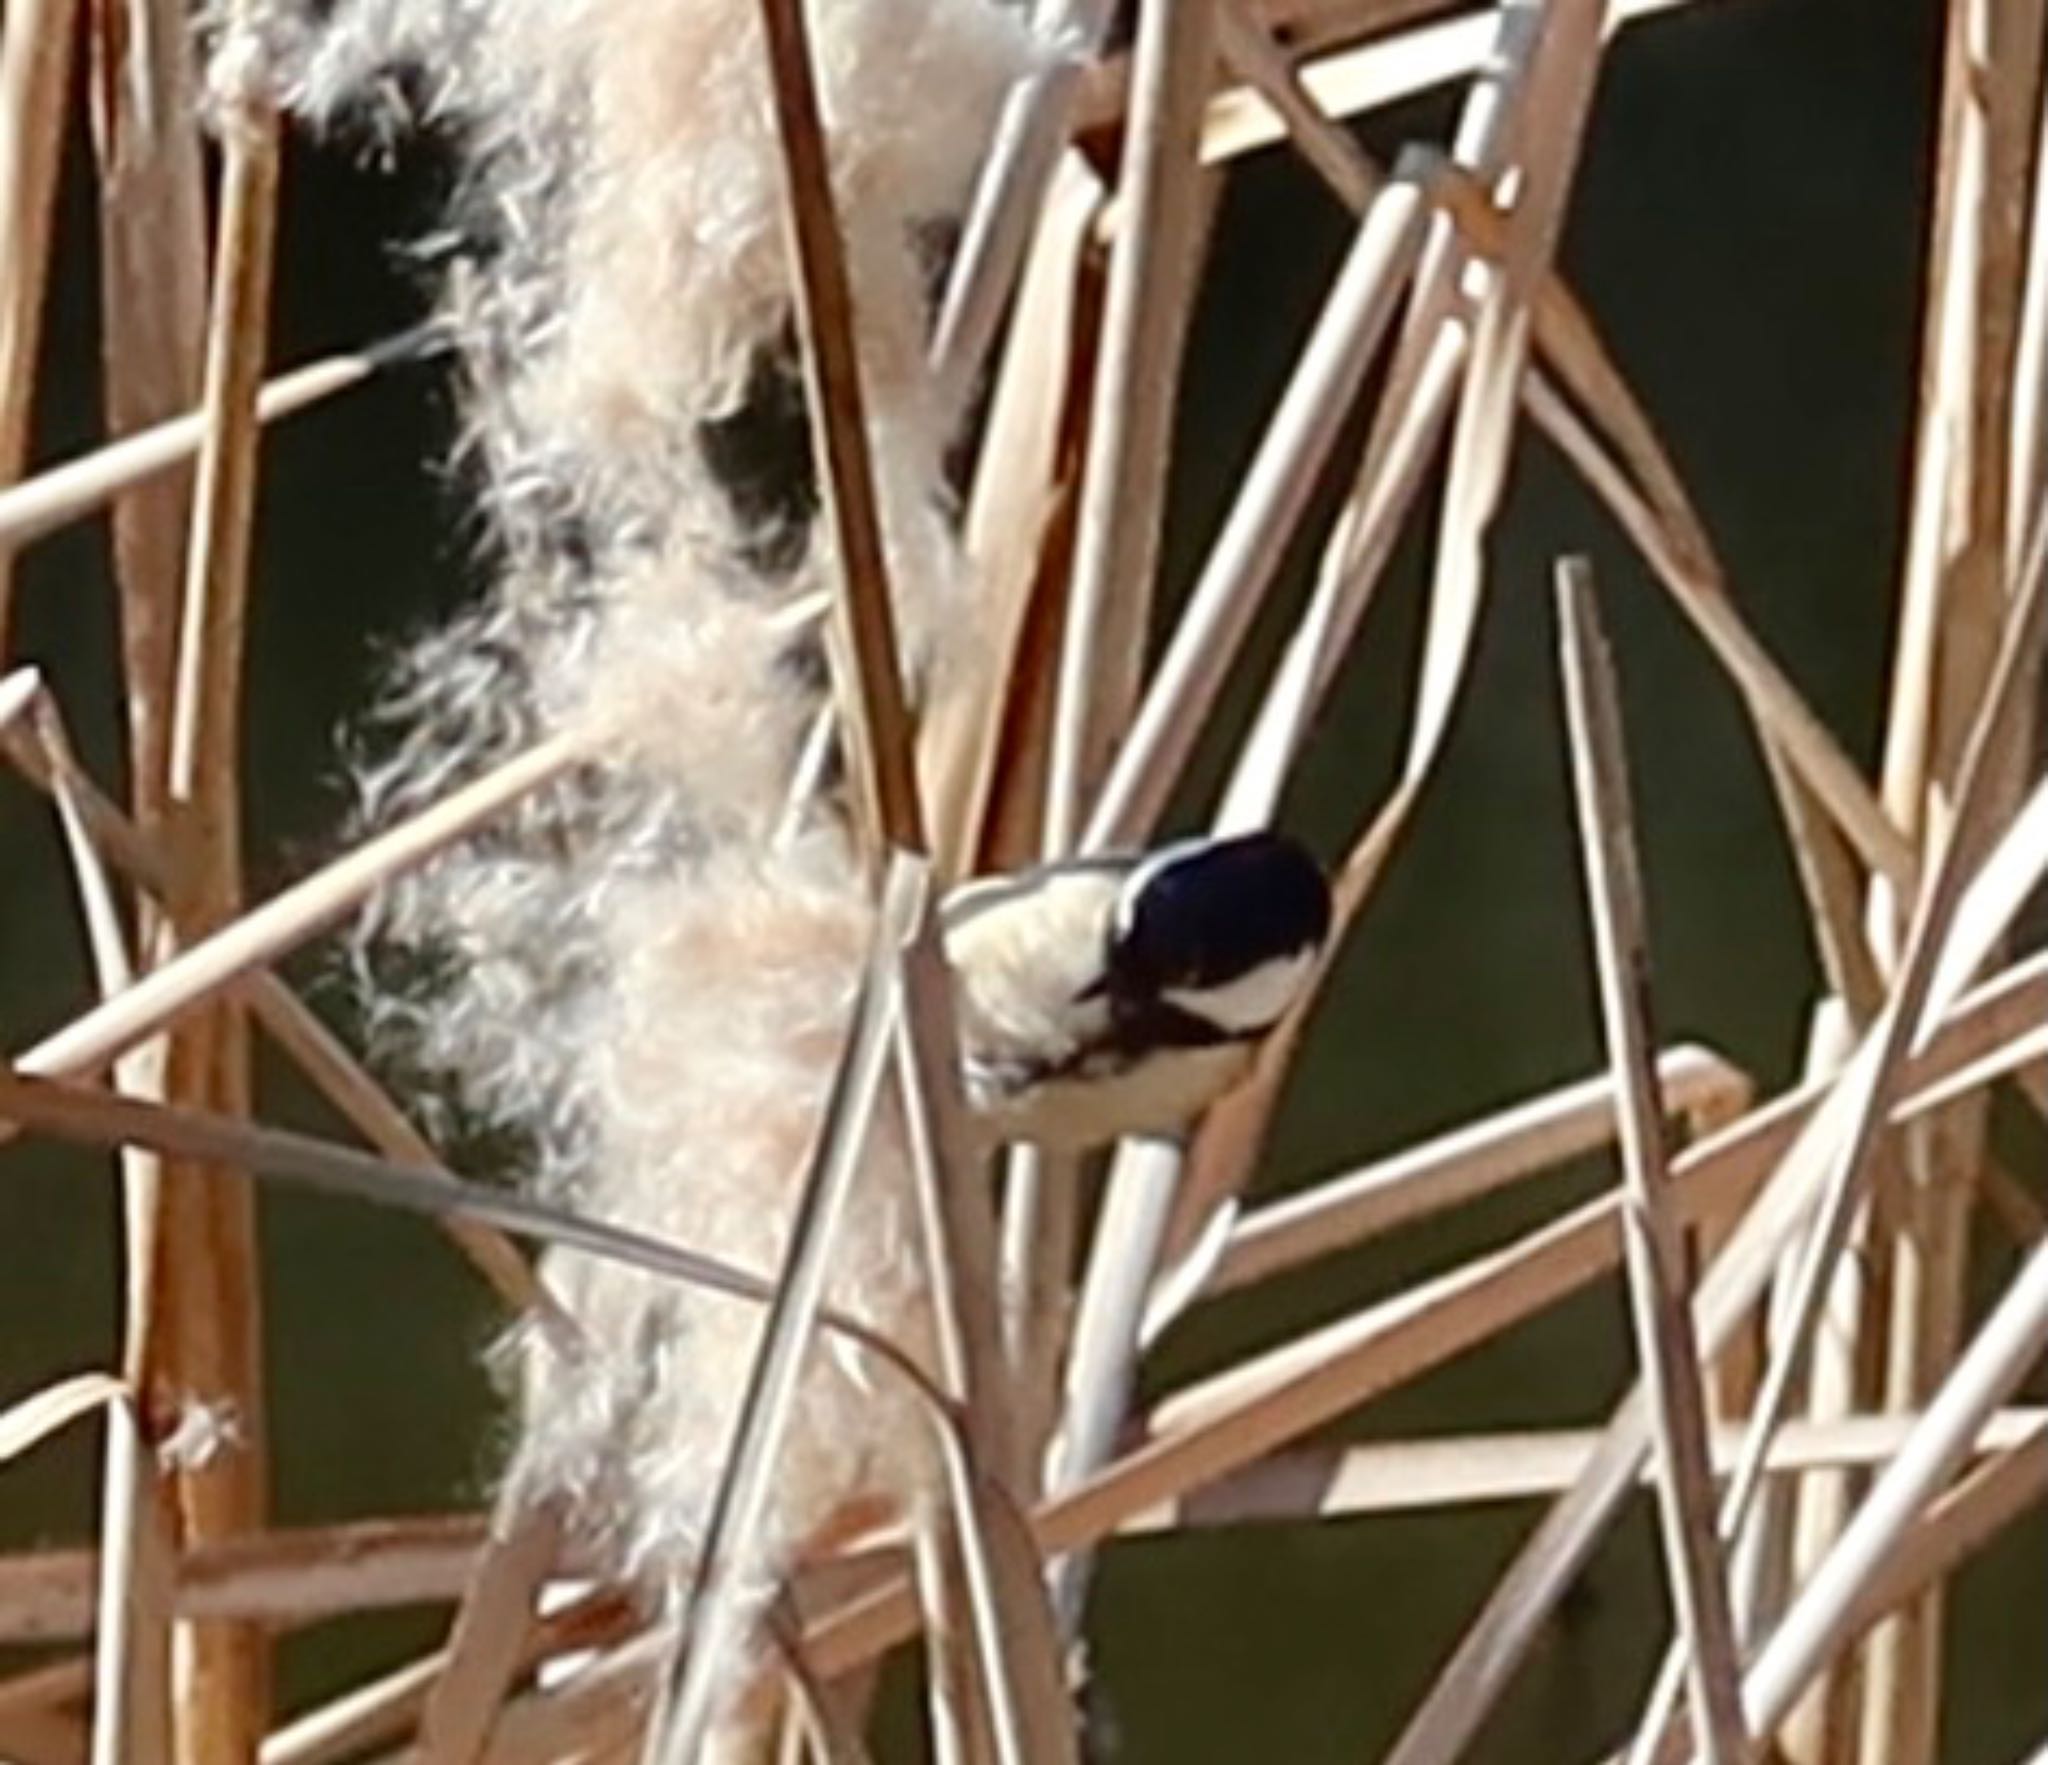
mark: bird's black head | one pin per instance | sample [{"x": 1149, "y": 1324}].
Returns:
[{"x": 1224, "y": 929}]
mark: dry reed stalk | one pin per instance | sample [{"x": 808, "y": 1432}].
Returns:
[
  {"x": 134, "y": 1691},
  {"x": 77, "y": 488},
  {"x": 37, "y": 40},
  {"x": 1249, "y": 51},
  {"x": 488, "y": 1639},
  {"x": 279, "y": 1577},
  {"x": 1838, "y": 1151},
  {"x": 1653, "y": 1242},
  {"x": 1965, "y": 541},
  {"x": 1123, "y": 479},
  {"x": 87, "y": 1117},
  {"x": 1472, "y": 1160},
  {"x": 1147, "y": 308},
  {"x": 1011, "y": 194},
  {"x": 1348, "y": 82},
  {"x": 1413, "y": 1476},
  {"x": 868, "y": 684},
  {"x": 153, "y": 296},
  {"x": 225, "y": 959},
  {"x": 986, "y": 1554}
]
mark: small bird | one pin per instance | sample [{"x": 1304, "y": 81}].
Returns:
[{"x": 1118, "y": 995}]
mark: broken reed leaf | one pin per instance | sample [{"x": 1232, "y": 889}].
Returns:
[
  {"x": 1654, "y": 1243},
  {"x": 1245, "y": 559},
  {"x": 1549, "y": 60}
]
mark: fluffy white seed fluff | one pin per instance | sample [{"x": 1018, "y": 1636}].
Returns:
[{"x": 632, "y": 973}]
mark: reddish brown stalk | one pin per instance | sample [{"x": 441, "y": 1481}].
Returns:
[{"x": 200, "y": 1340}]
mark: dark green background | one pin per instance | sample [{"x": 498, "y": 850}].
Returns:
[{"x": 1748, "y": 232}]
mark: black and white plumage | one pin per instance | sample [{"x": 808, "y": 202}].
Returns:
[{"x": 1118, "y": 995}]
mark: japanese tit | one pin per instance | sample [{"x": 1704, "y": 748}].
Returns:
[{"x": 1118, "y": 995}]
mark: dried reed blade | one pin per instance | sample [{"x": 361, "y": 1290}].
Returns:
[
  {"x": 59, "y": 495},
  {"x": 488, "y": 1641},
  {"x": 1130, "y": 433},
  {"x": 1249, "y": 51},
  {"x": 868, "y": 681},
  {"x": 96, "y": 828},
  {"x": 1351, "y": 82},
  {"x": 1010, "y": 194},
  {"x": 221, "y": 961},
  {"x": 1820, "y": 1619},
  {"x": 1248, "y": 550},
  {"x": 1653, "y": 1242},
  {"x": 87, "y": 1117},
  {"x": 1419, "y": 1476},
  {"x": 56, "y": 1684},
  {"x": 1472, "y": 1160},
  {"x": 37, "y": 40},
  {"x": 1024, "y": 473},
  {"x": 133, "y": 1713},
  {"x": 1552, "y": 56},
  {"x": 1965, "y": 544}
]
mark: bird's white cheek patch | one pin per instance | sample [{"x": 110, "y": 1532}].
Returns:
[{"x": 1253, "y": 1002}]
